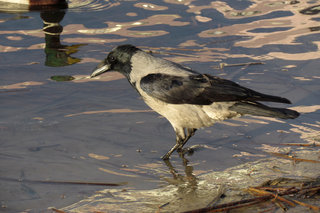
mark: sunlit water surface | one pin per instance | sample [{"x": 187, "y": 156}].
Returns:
[{"x": 58, "y": 125}]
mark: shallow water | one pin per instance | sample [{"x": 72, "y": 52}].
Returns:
[{"x": 99, "y": 130}]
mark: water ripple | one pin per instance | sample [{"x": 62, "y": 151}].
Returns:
[{"x": 91, "y": 5}]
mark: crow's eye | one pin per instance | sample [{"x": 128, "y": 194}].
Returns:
[{"x": 112, "y": 59}]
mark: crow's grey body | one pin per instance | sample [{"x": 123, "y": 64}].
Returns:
[{"x": 188, "y": 99}]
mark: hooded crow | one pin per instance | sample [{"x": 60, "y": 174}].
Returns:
[{"x": 188, "y": 99}]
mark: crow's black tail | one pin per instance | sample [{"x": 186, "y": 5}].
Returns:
[{"x": 255, "y": 108}]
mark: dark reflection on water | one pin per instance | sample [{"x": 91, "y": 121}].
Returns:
[
  {"x": 179, "y": 179},
  {"x": 73, "y": 5},
  {"x": 8, "y": 7},
  {"x": 311, "y": 10},
  {"x": 62, "y": 78},
  {"x": 100, "y": 130},
  {"x": 57, "y": 54}
]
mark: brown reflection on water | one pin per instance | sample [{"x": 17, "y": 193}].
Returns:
[
  {"x": 280, "y": 30},
  {"x": 149, "y": 6},
  {"x": 256, "y": 8},
  {"x": 108, "y": 111},
  {"x": 21, "y": 85},
  {"x": 123, "y": 28},
  {"x": 183, "y": 2}
]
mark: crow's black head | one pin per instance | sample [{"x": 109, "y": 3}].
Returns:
[{"x": 119, "y": 59}]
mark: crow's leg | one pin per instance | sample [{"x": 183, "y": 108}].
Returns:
[
  {"x": 180, "y": 141},
  {"x": 190, "y": 132},
  {"x": 167, "y": 155}
]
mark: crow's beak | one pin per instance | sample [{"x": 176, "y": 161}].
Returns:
[{"x": 101, "y": 68}]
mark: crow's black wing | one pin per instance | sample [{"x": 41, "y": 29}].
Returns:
[
  {"x": 201, "y": 89},
  {"x": 175, "y": 89}
]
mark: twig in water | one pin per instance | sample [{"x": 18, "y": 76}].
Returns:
[
  {"x": 301, "y": 144},
  {"x": 276, "y": 196},
  {"x": 173, "y": 48},
  {"x": 222, "y": 65},
  {"x": 265, "y": 197},
  {"x": 80, "y": 183},
  {"x": 293, "y": 158},
  {"x": 315, "y": 208},
  {"x": 232, "y": 205},
  {"x": 178, "y": 54},
  {"x": 57, "y": 210},
  {"x": 64, "y": 182}
]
